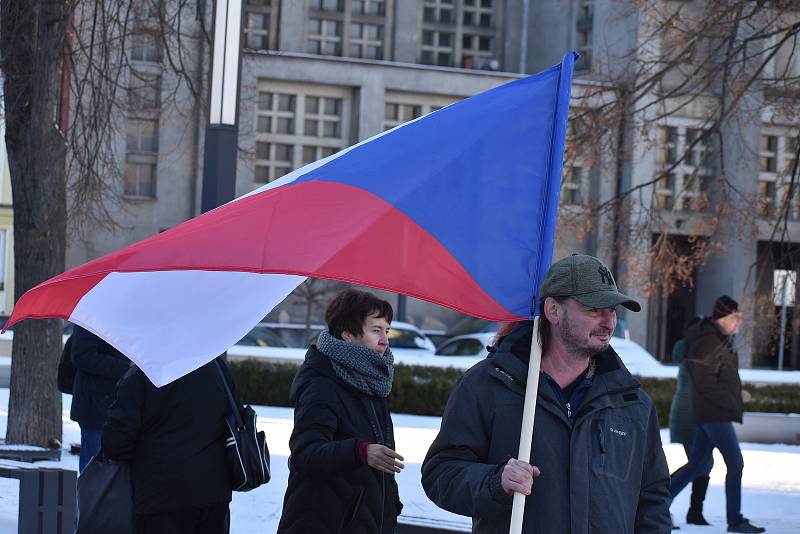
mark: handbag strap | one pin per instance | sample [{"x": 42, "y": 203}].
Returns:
[{"x": 235, "y": 409}]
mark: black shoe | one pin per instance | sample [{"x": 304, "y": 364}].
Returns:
[
  {"x": 744, "y": 525},
  {"x": 695, "y": 517}
]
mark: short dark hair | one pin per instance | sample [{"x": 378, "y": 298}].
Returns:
[{"x": 349, "y": 309}]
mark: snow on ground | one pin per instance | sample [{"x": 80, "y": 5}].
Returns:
[{"x": 771, "y": 494}]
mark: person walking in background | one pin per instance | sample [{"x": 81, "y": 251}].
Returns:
[
  {"x": 716, "y": 397},
  {"x": 174, "y": 439},
  {"x": 682, "y": 429},
  {"x": 599, "y": 464},
  {"x": 342, "y": 462},
  {"x": 98, "y": 367}
]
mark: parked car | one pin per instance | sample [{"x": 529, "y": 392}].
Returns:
[
  {"x": 467, "y": 345},
  {"x": 262, "y": 336},
  {"x": 405, "y": 338},
  {"x": 634, "y": 356}
]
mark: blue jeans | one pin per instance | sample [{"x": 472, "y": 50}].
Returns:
[
  {"x": 90, "y": 445},
  {"x": 708, "y": 436}
]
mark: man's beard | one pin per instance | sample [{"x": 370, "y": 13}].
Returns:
[{"x": 577, "y": 346}]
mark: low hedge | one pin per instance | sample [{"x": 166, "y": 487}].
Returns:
[{"x": 425, "y": 390}]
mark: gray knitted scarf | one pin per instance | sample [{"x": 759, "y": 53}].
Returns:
[{"x": 361, "y": 367}]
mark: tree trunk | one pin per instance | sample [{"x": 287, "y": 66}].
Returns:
[{"x": 32, "y": 39}]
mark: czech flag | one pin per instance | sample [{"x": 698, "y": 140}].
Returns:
[{"x": 457, "y": 208}]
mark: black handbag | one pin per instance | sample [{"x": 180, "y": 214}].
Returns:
[
  {"x": 245, "y": 447},
  {"x": 105, "y": 498},
  {"x": 66, "y": 369}
]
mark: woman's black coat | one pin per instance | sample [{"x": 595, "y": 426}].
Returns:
[
  {"x": 98, "y": 367},
  {"x": 330, "y": 490},
  {"x": 174, "y": 438}
]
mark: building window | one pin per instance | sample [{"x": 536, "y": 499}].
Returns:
[
  {"x": 777, "y": 154},
  {"x": 325, "y": 37},
  {"x": 144, "y": 91},
  {"x": 437, "y": 48},
  {"x": 460, "y": 33},
  {"x": 327, "y": 5},
  {"x": 665, "y": 192},
  {"x": 402, "y": 107},
  {"x": 478, "y": 13},
  {"x": 766, "y": 198},
  {"x": 350, "y": 28},
  {"x": 769, "y": 153},
  {"x": 584, "y": 29},
  {"x": 366, "y": 40},
  {"x": 368, "y": 7},
  {"x": 572, "y": 187},
  {"x": 442, "y": 11},
  {"x": 141, "y": 158},
  {"x": 684, "y": 154},
  {"x": 260, "y": 24},
  {"x": 668, "y": 144},
  {"x": 145, "y": 46},
  {"x": 296, "y": 125}
]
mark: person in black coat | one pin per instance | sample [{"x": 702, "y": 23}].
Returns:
[
  {"x": 342, "y": 463},
  {"x": 717, "y": 398},
  {"x": 98, "y": 367},
  {"x": 174, "y": 439}
]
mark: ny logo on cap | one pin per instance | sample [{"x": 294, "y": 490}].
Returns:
[{"x": 605, "y": 275}]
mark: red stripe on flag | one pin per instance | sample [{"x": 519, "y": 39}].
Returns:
[
  {"x": 53, "y": 299},
  {"x": 320, "y": 229}
]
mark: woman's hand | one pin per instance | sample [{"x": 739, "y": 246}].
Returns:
[{"x": 384, "y": 459}]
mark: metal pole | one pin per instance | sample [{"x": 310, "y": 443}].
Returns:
[
  {"x": 401, "y": 307},
  {"x": 220, "y": 150},
  {"x": 783, "y": 321}
]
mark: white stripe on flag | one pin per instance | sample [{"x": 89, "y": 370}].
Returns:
[{"x": 177, "y": 321}]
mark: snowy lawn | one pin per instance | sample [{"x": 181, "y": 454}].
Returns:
[{"x": 771, "y": 494}]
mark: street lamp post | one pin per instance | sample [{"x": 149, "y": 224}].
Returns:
[{"x": 222, "y": 131}]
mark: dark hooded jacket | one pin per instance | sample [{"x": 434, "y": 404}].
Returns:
[
  {"x": 98, "y": 367},
  {"x": 714, "y": 374},
  {"x": 602, "y": 471},
  {"x": 173, "y": 437},
  {"x": 330, "y": 490}
]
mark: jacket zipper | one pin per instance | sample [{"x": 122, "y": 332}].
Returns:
[
  {"x": 383, "y": 476},
  {"x": 602, "y": 445}
]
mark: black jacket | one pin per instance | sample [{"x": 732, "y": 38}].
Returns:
[
  {"x": 98, "y": 367},
  {"x": 330, "y": 490},
  {"x": 603, "y": 471},
  {"x": 714, "y": 374},
  {"x": 174, "y": 438}
]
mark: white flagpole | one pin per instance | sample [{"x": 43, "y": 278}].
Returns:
[{"x": 528, "y": 413}]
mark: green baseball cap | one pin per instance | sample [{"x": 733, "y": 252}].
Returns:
[{"x": 587, "y": 280}]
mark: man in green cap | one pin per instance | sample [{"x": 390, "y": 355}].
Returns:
[{"x": 598, "y": 461}]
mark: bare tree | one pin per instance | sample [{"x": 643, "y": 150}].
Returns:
[
  {"x": 314, "y": 295},
  {"x": 722, "y": 63},
  {"x": 69, "y": 75},
  {"x": 32, "y": 42}
]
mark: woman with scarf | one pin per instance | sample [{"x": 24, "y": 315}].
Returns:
[{"x": 342, "y": 463}]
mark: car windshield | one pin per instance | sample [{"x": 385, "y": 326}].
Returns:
[
  {"x": 262, "y": 337},
  {"x": 405, "y": 339}
]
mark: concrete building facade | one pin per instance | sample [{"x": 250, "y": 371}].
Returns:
[{"x": 320, "y": 75}]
